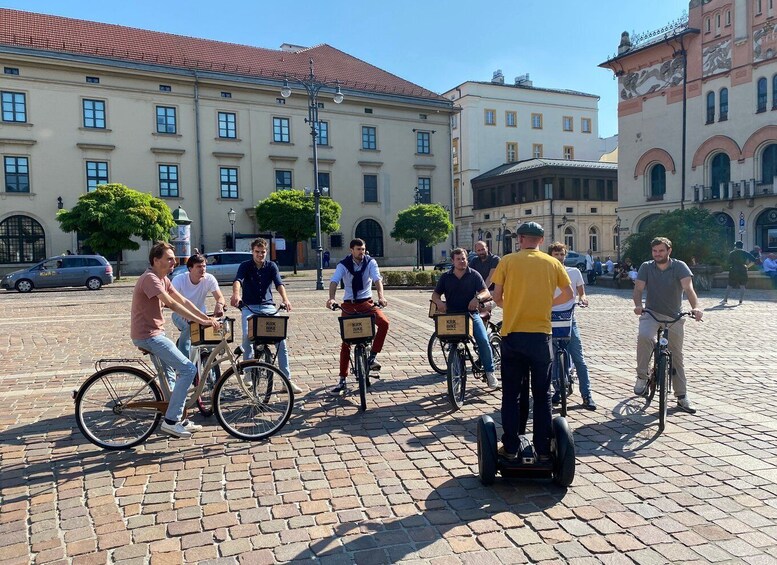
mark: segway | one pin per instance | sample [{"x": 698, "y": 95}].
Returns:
[{"x": 561, "y": 467}]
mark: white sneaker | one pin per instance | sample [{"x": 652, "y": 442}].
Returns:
[
  {"x": 685, "y": 405},
  {"x": 640, "y": 386},
  {"x": 491, "y": 380},
  {"x": 296, "y": 389},
  {"x": 176, "y": 430},
  {"x": 190, "y": 426}
]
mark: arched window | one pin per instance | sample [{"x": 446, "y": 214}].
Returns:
[
  {"x": 710, "y": 107},
  {"x": 487, "y": 237},
  {"x": 569, "y": 238},
  {"x": 769, "y": 164},
  {"x": 657, "y": 181},
  {"x": 22, "y": 240},
  {"x": 615, "y": 238},
  {"x": 765, "y": 225},
  {"x": 723, "y": 114},
  {"x": 761, "y": 100},
  {"x": 720, "y": 173},
  {"x": 646, "y": 221},
  {"x": 372, "y": 234},
  {"x": 774, "y": 92},
  {"x": 593, "y": 239}
]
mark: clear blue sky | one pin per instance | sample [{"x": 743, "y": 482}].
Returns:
[{"x": 437, "y": 45}]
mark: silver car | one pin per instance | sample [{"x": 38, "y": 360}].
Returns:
[
  {"x": 92, "y": 271},
  {"x": 222, "y": 265}
]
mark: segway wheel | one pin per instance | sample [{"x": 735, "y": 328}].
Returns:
[
  {"x": 564, "y": 453},
  {"x": 487, "y": 450}
]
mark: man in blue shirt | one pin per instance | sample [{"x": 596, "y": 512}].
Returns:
[{"x": 255, "y": 278}]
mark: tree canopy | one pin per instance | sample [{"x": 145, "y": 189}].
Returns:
[{"x": 428, "y": 223}]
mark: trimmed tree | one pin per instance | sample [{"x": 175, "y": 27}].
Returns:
[
  {"x": 427, "y": 224},
  {"x": 293, "y": 214},
  {"x": 112, "y": 215}
]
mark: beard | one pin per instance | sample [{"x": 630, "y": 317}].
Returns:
[{"x": 662, "y": 261}]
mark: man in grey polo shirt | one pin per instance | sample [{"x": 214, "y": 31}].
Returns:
[{"x": 665, "y": 280}]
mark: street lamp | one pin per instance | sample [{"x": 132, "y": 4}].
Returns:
[
  {"x": 503, "y": 221},
  {"x": 232, "y": 215},
  {"x": 417, "y": 200},
  {"x": 618, "y": 237},
  {"x": 312, "y": 86}
]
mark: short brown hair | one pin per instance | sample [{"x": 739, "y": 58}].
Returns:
[
  {"x": 659, "y": 241},
  {"x": 458, "y": 251},
  {"x": 157, "y": 250},
  {"x": 195, "y": 259},
  {"x": 356, "y": 242},
  {"x": 259, "y": 242},
  {"x": 557, "y": 246}
]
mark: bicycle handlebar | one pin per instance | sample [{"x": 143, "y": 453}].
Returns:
[
  {"x": 278, "y": 308},
  {"x": 336, "y": 306},
  {"x": 671, "y": 320}
]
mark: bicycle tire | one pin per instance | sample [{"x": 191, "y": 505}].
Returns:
[
  {"x": 662, "y": 376},
  {"x": 360, "y": 369},
  {"x": 496, "y": 352},
  {"x": 253, "y": 403},
  {"x": 650, "y": 390},
  {"x": 561, "y": 381},
  {"x": 100, "y": 413},
  {"x": 457, "y": 377},
  {"x": 266, "y": 355},
  {"x": 205, "y": 399},
  {"x": 437, "y": 353}
]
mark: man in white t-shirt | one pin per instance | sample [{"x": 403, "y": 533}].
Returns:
[
  {"x": 575, "y": 346},
  {"x": 195, "y": 286},
  {"x": 609, "y": 267}
]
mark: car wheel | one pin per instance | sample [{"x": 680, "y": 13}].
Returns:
[
  {"x": 24, "y": 285},
  {"x": 581, "y": 267},
  {"x": 93, "y": 283}
]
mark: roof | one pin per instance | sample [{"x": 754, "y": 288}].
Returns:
[
  {"x": 530, "y": 164},
  {"x": 524, "y": 87},
  {"x": 44, "y": 32},
  {"x": 662, "y": 36}
]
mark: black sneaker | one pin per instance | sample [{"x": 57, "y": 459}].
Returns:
[
  {"x": 589, "y": 403},
  {"x": 340, "y": 389}
]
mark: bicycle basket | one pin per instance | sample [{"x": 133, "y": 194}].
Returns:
[
  {"x": 562, "y": 323},
  {"x": 267, "y": 329},
  {"x": 432, "y": 309},
  {"x": 453, "y": 327},
  {"x": 206, "y": 335},
  {"x": 357, "y": 329}
]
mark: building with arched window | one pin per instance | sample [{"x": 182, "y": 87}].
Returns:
[{"x": 728, "y": 50}]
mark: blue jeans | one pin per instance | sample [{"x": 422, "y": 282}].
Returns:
[
  {"x": 575, "y": 349},
  {"x": 184, "y": 342},
  {"x": 481, "y": 339},
  {"x": 173, "y": 362},
  {"x": 248, "y": 350}
]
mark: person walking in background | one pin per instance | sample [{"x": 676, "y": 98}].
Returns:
[
  {"x": 589, "y": 267},
  {"x": 325, "y": 259},
  {"x": 739, "y": 261}
]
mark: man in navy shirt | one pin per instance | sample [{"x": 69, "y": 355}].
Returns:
[
  {"x": 461, "y": 286},
  {"x": 485, "y": 264},
  {"x": 255, "y": 278}
]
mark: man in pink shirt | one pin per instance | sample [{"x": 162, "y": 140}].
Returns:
[{"x": 152, "y": 291}]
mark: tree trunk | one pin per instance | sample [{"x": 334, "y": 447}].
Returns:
[
  {"x": 118, "y": 266},
  {"x": 294, "y": 255}
]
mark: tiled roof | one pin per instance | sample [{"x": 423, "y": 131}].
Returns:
[
  {"x": 94, "y": 39},
  {"x": 529, "y": 164}
]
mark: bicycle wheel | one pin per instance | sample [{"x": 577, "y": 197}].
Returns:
[
  {"x": 115, "y": 407},
  {"x": 560, "y": 368},
  {"x": 650, "y": 390},
  {"x": 254, "y": 402},
  {"x": 496, "y": 352},
  {"x": 437, "y": 353},
  {"x": 263, "y": 353},
  {"x": 661, "y": 374},
  {"x": 457, "y": 376},
  {"x": 205, "y": 400},
  {"x": 360, "y": 369}
]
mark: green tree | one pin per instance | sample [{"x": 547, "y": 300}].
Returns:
[
  {"x": 113, "y": 214},
  {"x": 292, "y": 214},
  {"x": 693, "y": 233},
  {"x": 427, "y": 224}
]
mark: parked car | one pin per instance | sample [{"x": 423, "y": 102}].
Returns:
[
  {"x": 443, "y": 265},
  {"x": 92, "y": 271},
  {"x": 222, "y": 265},
  {"x": 574, "y": 259}
]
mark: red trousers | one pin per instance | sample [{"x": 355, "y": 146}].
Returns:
[{"x": 381, "y": 321}]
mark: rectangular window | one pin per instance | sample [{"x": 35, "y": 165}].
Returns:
[
  {"x": 93, "y": 80},
  {"x": 323, "y": 133},
  {"x": 490, "y": 117},
  {"x": 283, "y": 180},
  {"x": 567, "y": 123},
  {"x": 10, "y": 70},
  {"x": 165, "y": 119},
  {"x": 585, "y": 125},
  {"x": 511, "y": 119},
  {"x": 369, "y": 137},
  {"x": 512, "y": 152},
  {"x": 758, "y": 7},
  {"x": 96, "y": 173},
  {"x": 280, "y": 130},
  {"x": 370, "y": 188},
  {"x": 165, "y": 88},
  {"x": 423, "y": 142},
  {"x": 536, "y": 150},
  {"x": 280, "y": 101},
  {"x": 227, "y": 125},
  {"x": 424, "y": 190},
  {"x": 226, "y": 94},
  {"x": 14, "y": 107},
  {"x": 569, "y": 152},
  {"x": 168, "y": 181},
  {"x": 17, "y": 174},
  {"x": 325, "y": 182},
  {"x": 536, "y": 121},
  {"x": 228, "y": 182},
  {"x": 94, "y": 114}
]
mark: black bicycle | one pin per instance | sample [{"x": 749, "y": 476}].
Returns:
[
  {"x": 358, "y": 330},
  {"x": 437, "y": 350},
  {"x": 264, "y": 330},
  {"x": 562, "y": 332}
]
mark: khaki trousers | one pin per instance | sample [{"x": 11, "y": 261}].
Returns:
[{"x": 646, "y": 340}]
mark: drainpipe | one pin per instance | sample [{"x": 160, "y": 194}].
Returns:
[
  {"x": 684, "y": 53},
  {"x": 199, "y": 160}
]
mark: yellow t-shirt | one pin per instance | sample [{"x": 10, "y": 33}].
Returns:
[{"x": 529, "y": 278}]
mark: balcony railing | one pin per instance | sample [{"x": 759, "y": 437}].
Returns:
[{"x": 734, "y": 190}]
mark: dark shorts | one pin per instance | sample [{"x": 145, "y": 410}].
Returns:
[{"x": 737, "y": 277}]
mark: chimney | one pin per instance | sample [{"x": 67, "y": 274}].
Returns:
[
  {"x": 523, "y": 80},
  {"x": 498, "y": 77}
]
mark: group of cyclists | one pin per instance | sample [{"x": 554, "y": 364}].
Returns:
[{"x": 526, "y": 284}]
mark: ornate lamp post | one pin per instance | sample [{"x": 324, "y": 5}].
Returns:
[
  {"x": 417, "y": 200},
  {"x": 232, "y": 215},
  {"x": 618, "y": 237},
  {"x": 503, "y": 239},
  {"x": 312, "y": 86}
]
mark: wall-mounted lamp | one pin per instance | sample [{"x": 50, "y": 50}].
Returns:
[{"x": 60, "y": 204}]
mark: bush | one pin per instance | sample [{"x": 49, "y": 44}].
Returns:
[
  {"x": 393, "y": 278},
  {"x": 423, "y": 278}
]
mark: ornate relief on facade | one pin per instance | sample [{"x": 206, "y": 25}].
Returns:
[
  {"x": 764, "y": 44},
  {"x": 717, "y": 58},
  {"x": 653, "y": 79}
]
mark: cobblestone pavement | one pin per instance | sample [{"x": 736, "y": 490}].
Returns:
[{"x": 399, "y": 482}]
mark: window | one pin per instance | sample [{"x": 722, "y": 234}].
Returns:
[
  {"x": 96, "y": 174},
  {"x": 372, "y": 234},
  {"x": 536, "y": 150},
  {"x": 511, "y": 119},
  {"x": 283, "y": 180},
  {"x": 454, "y": 121},
  {"x": 227, "y": 125},
  {"x": 717, "y": 22},
  {"x": 165, "y": 119},
  {"x": 22, "y": 240},
  {"x": 512, "y": 152},
  {"x": 593, "y": 239},
  {"x": 93, "y": 80},
  {"x": 585, "y": 125},
  {"x": 168, "y": 181},
  {"x": 370, "y": 188},
  {"x": 14, "y": 107},
  {"x": 657, "y": 181},
  {"x": 369, "y": 138},
  {"x": 723, "y": 115},
  {"x": 424, "y": 190},
  {"x": 368, "y": 110},
  {"x": 569, "y": 152},
  {"x": 728, "y": 17},
  {"x": 774, "y": 92},
  {"x": 769, "y": 164},
  {"x": 423, "y": 142},
  {"x": 710, "y": 107},
  {"x": 280, "y": 130},
  {"x": 228, "y": 182},
  {"x": 325, "y": 181},
  {"x": 10, "y": 70},
  {"x": 707, "y": 25},
  {"x": 17, "y": 174},
  {"x": 760, "y": 102},
  {"x": 336, "y": 240},
  {"x": 165, "y": 88},
  {"x": 226, "y": 94},
  {"x": 758, "y": 7},
  {"x": 94, "y": 114},
  {"x": 567, "y": 122},
  {"x": 490, "y": 117},
  {"x": 720, "y": 173},
  {"x": 569, "y": 238},
  {"x": 536, "y": 121},
  {"x": 488, "y": 239},
  {"x": 322, "y": 133}
]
